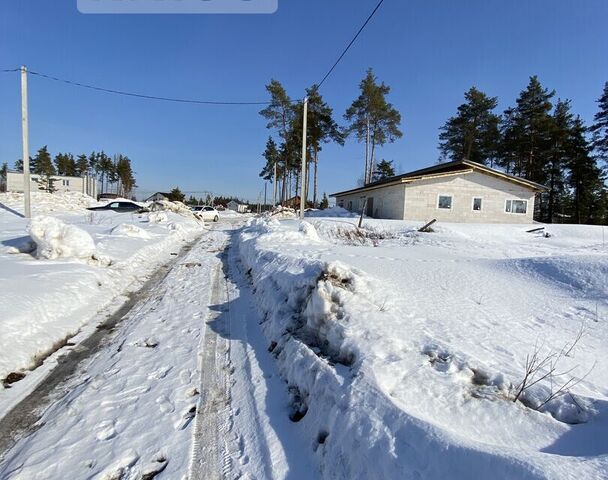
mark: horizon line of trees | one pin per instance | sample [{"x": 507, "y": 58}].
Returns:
[
  {"x": 539, "y": 139},
  {"x": 370, "y": 118},
  {"x": 114, "y": 174}
]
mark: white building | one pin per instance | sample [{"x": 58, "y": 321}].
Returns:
[
  {"x": 237, "y": 207},
  {"x": 85, "y": 184},
  {"x": 157, "y": 197},
  {"x": 460, "y": 191}
]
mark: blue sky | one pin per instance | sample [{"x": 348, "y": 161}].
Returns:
[{"x": 428, "y": 51}]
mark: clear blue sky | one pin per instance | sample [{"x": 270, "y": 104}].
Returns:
[{"x": 428, "y": 51}]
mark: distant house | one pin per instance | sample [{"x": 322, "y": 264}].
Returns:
[
  {"x": 293, "y": 202},
  {"x": 460, "y": 191},
  {"x": 237, "y": 207},
  {"x": 157, "y": 196},
  {"x": 85, "y": 184}
]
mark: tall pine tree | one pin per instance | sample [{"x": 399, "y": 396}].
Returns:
[
  {"x": 599, "y": 129},
  {"x": 588, "y": 198},
  {"x": 370, "y": 115},
  {"x": 527, "y": 132},
  {"x": 473, "y": 133}
]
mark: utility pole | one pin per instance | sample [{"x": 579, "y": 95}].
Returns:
[
  {"x": 274, "y": 186},
  {"x": 26, "y": 145},
  {"x": 265, "y": 183},
  {"x": 365, "y": 177},
  {"x": 303, "y": 176}
]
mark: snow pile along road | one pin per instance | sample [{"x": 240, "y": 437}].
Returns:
[
  {"x": 55, "y": 239},
  {"x": 404, "y": 357},
  {"x": 59, "y": 271}
]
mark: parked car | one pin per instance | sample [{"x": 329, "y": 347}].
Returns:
[
  {"x": 208, "y": 213},
  {"x": 120, "y": 207}
]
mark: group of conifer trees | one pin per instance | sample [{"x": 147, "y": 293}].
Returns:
[
  {"x": 542, "y": 140},
  {"x": 370, "y": 118},
  {"x": 114, "y": 174}
]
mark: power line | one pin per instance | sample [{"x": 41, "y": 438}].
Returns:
[
  {"x": 351, "y": 43},
  {"x": 195, "y": 101},
  {"x": 139, "y": 95}
]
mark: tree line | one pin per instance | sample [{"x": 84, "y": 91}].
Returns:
[
  {"x": 540, "y": 139},
  {"x": 114, "y": 173},
  {"x": 370, "y": 118}
]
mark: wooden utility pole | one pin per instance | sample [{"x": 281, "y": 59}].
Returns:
[{"x": 303, "y": 176}]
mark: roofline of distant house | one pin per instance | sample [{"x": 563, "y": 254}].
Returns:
[{"x": 440, "y": 170}]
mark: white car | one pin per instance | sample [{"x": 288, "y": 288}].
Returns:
[{"x": 208, "y": 213}]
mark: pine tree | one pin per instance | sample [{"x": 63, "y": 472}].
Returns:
[
  {"x": 279, "y": 114},
  {"x": 383, "y": 170},
  {"x": 271, "y": 154},
  {"x": 585, "y": 178},
  {"x": 176, "y": 195},
  {"x": 324, "y": 202},
  {"x": 45, "y": 169},
  {"x": 3, "y": 175},
  {"x": 123, "y": 174},
  {"x": 370, "y": 115},
  {"x": 82, "y": 165},
  {"x": 527, "y": 132},
  {"x": 599, "y": 129},
  {"x": 557, "y": 158},
  {"x": 321, "y": 128},
  {"x": 473, "y": 133},
  {"x": 65, "y": 164}
]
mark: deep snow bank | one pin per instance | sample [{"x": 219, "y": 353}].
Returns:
[{"x": 377, "y": 393}]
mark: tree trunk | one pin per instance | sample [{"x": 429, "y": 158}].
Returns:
[
  {"x": 365, "y": 175},
  {"x": 314, "y": 194},
  {"x": 371, "y": 162}
]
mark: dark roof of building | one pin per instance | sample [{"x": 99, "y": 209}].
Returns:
[{"x": 444, "y": 168}]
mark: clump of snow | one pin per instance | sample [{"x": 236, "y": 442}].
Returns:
[
  {"x": 56, "y": 239},
  {"x": 282, "y": 212},
  {"x": 157, "y": 217},
  {"x": 176, "y": 227},
  {"x": 309, "y": 231},
  {"x": 335, "y": 212},
  {"x": 130, "y": 230}
]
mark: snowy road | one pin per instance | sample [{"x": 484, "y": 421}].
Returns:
[{"x": 184, "y": 388}]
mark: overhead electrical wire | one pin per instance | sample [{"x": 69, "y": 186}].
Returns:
[
  {"x": 195, "y": 101},
  {"x": 350, "y": 44}
]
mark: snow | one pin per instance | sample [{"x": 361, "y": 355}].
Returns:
[
  {"x": 333, "y": 212},
  {"x": 56, "y": 239},
  {"x": 319, "y": 350},
  {"x": 66, "y": 265},
  {"x": 128, "y": 410},
  {"x": 403, "y": 349}
]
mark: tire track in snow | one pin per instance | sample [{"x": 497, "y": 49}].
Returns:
[{"x": 210, "y": 446}]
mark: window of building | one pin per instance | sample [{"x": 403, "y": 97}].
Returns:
[
  {"x": 66, "y": 183},
  {"x": 516, "y": 206},
  {"x": 477, "y": 204},
  {"x": 341, "y": 203},
  {"x": 444, "y": 202},
  {"x": 350, "y": 205}
]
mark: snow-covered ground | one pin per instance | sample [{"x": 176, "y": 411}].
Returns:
[
  {"x": 309, "y": 350},
  {"x": 67, "y": 264},
  {"x": 127, "y": 411},
  {"x": 403, "y": 350}
]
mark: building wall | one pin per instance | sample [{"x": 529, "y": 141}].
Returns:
[
  {"x": 388, "y": 202},
  {"x": 86, "y": 184},
  {"x": 421, "y": 199}
]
